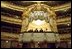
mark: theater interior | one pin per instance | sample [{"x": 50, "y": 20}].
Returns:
[{"x": 35, "y": 24}]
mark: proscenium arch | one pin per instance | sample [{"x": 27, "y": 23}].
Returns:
[{"x": 28, "y": 10}]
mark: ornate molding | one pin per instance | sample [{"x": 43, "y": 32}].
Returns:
[{"x": 11, "y": 20}]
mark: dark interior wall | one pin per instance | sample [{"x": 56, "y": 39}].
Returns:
[{"x": 8, "y": 27}]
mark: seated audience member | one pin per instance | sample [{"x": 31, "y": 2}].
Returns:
[
  {"x": 41, "y": 30},
  {"x": 36, "y": 30}
]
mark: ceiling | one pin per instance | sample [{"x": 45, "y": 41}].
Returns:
[{"x": 28, "y": 3}]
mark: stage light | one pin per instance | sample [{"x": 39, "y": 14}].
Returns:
[
  {"x": 6, "y": 41},
  {"x": 39, "y": 22}
]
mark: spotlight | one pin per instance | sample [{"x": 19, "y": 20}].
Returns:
[
  {"x": 39, "y": 22},
  {"x": 6, "y": 41}
]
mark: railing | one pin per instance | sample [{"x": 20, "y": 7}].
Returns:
[
  {"x": 11, "y": 20},
  {"x": 9, "y": 35},
  {"x": 18, "y": 21}
]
